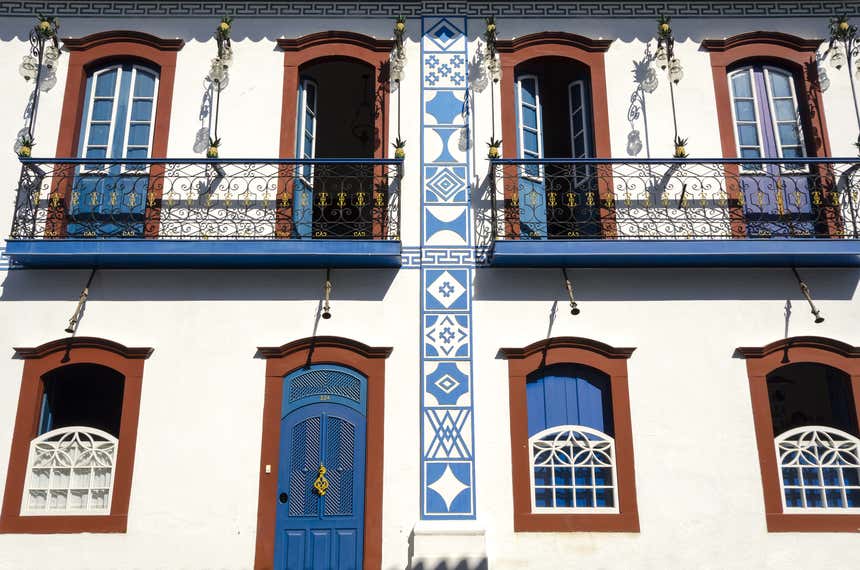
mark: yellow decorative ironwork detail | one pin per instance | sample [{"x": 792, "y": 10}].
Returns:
[{"x": 321, "y": 484}]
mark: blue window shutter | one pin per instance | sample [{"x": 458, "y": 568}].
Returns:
[
  {"x": 529, "y": 117},
  {"x": 119, "y": 110},
  {"x": 580, "y": 133},
  {"x": 532, "y": 193},
  {"x": 569, "y": 395}
]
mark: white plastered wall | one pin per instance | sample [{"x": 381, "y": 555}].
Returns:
[{"x": 194, "y": 496}]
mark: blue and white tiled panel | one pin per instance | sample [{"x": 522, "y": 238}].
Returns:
[{"x": 445, "y": 133}]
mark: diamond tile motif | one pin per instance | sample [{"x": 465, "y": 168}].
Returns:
[
  {"x": 449, "y": 487},
  {"x": 447, "y": 384},
  {"x": 444, "y": 36},
  {"x": 445, "y": 184},
  {"x": 446, "y": 289}
]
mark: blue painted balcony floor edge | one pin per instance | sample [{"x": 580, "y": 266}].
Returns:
[
  {"x": 677, "y": 253},
  {"x": 166, "y": 253}
]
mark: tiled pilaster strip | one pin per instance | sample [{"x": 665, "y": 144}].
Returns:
[{"x": 447, "y": 265}]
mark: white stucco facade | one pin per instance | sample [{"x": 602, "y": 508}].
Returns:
[{"x": 197, "y": 462}]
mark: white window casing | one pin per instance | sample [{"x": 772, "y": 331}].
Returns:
[
  {"x": 819, "y": 470},
  {"x": 70, "y": 471},
  {"x": 577, "y": 463}
]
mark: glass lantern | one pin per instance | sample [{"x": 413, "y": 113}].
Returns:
[
  {"x": 494, "y": 67},
  {"x": 676, "y": 72},
  {"x": 52, "y": 55},
  {"x": 661, "y": 57},
  {"x": 837, "y": 56},
  {"x": 29, "y": 67}
]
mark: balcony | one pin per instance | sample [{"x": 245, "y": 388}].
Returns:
[
  {"x": 674, "y": 213},
  {"x": 207, "y": 213}
]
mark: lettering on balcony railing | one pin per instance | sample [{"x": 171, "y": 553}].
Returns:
[
  {"x": 672, "y": 199},
  {"x": 207, "y": 199}
]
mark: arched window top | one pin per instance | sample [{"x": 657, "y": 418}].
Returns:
[
  {"x": 762, "y": 40},
  {"x": 327, "y": 383},
  {"x": 573, "y": 42},
  {"x": 819, "y": 470},
  {"x": 128, "y": 37},
  {"x": 569, "y": 394}
]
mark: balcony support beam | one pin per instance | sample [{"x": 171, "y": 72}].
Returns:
[
  {"x": 676, "y": 253},
  {"x": 165, "y": 253}
]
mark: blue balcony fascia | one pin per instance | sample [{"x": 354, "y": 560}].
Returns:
[
  {"x": 166, "y": 253},
  {"x": 676, "y": 253}
]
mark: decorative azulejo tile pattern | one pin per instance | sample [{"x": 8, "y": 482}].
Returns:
[{"x": 447, "y": 263}]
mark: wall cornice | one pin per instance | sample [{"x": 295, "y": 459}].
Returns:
[
  {"x": 816, "y": 342},
  {"x": 558, "y": 38},
  {"x": 73, "y": 343},
  {"x": 341, "y": 37},
  {"x": 312, "y": 343},
  {"x": 392, "y": 9},
  {"x": 127, "y": 36},
  {"x": 567, "y": 342},
  {"x": 757, "y": 38}
]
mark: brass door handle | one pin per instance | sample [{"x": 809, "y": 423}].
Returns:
[{"x": 321, "y": 483}]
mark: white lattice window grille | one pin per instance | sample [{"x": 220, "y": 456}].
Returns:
[
  {"x": 70, "y": 472},
  {"x": 573, "y": 471},
  {"x": 819, "y": 470}
]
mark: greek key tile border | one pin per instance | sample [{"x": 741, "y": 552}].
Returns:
[{"x": 430, "y": 8}]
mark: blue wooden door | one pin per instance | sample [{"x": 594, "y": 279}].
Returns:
[
  {"x": 119, "y": 113},
  {"x": 776, "y": 196},
  {"x": 320, "y": 512}
]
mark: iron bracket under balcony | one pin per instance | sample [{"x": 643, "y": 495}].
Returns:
[
  {"x": 674, "y": 213},
  {"x": 207, "y": 213}
]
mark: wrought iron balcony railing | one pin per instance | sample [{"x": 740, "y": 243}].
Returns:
[
  {"x": 208, "y": 199},
  {"x": 676, "y": 199}
]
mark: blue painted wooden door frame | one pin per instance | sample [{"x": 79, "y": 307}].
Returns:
[{"x": 315, "y": 531}]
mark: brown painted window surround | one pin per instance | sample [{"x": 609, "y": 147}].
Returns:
[
  {"x": 39, "y": 362},
  {"x": 91, "y": 52},
  {"x": 762, "y": 361},
  {"x": 589, "y": 55},
  {"x": 791, "y": 53},
  {"x": 282, "y": 360},
  {"x": 613, "y": 363}
]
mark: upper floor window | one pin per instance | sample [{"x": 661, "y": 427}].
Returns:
[
  {"x": 571, "y": 448},
  {"x": 554, "y": 120},
  {"x": 119, "y": 108},
  {"x": 118, "y": 98},
  {"x": 764, "y": 102},
  {"x": 571, "y": 441},
  {"x": 554, "y": 115},
  {"x": 119, "y": 114},
  {"x": 769, "y": 106}
]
